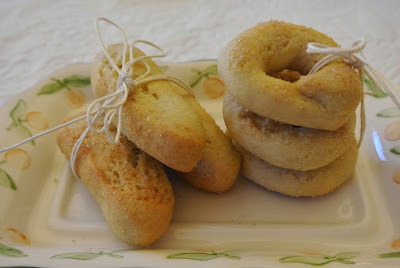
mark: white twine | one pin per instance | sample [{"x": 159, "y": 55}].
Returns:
[
  {"x": 354, "y": 57},
  {"x": 41, "y": 134},
  {"x": 110, "y": 106}
]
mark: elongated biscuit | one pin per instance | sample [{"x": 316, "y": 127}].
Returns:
[
  {"x": 157, "y": 119},
  {"x": 314, "y": 182},
  {"x": 219, "y": 167},
  {"x": 131, "y": 187}
]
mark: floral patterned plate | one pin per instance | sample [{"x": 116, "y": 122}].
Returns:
[{"x": 48, "y": 218}]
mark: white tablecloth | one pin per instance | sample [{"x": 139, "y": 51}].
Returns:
[{"x": 38, "y": 37}]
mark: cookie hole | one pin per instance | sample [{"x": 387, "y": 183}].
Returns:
[{"x": 287, "y": 75}]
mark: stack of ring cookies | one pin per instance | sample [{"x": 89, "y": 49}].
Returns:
[{"x": 294, "y": 130}]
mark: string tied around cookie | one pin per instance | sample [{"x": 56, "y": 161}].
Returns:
[
  {"x": 354, "y": 57},
  {"x": 109, "y": 108}
]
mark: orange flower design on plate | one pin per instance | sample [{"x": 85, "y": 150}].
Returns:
[
  {"x": 213, "y": 87},
  {"x": 14, "y": 237},
  {"x": 75, "y": 99},
  {"x": 392, "y": 132},
  {"x": 37, "y": 120},
  {"x": 396, "y": 175},
  {"x": 396, "y": 244},
  {"x": 17, "y": 158}
]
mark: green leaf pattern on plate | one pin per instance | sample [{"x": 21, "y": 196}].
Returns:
[
  {"x": 11, "y": 252},
  {"x": 385, "y": 113},
  {"x": 68, "y": 83},
  {"x": 77, "y": 81},
  {"x": 210, "y": 70},
  {"x": 6, "y": 180},
  {"x": 319, "y": 260},
  {"x": 389, "y": 112},
  {"x": 201, "y": 256},
  {"x": 16, "y": 115},
  {"x": 395, "y": 150},
  {"x": 376, "y": 90},
  {"x": 84, "y": 256},
  {"x": 395, "y": 254}
]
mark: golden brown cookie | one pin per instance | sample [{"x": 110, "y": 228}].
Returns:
[
  {"x": 323, "y": 100},
  {"x": 157, "y": 119},
  {"x": 285, "y": 145},
  {"x": 315, "y": 182},
  {"x": 130, "y": 186},
  {"x": 219, "y": 167}
]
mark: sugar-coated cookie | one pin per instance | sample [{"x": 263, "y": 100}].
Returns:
[
  {"x": 157, "y": 119},
  {"x": 130, "y": 186}
]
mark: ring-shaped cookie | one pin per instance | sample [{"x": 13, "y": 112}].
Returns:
[
  {"x": 323, "y": 100},
  {"x": 315, "y": 182},
  {"x": 285, "y": 145}
]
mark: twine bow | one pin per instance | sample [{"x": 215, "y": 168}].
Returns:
[
  {"x": 354, "y": 57},
  {"x": 109, "y": 107}
]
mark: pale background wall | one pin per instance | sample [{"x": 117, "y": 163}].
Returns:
[{"x": 37, "y": 37}]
